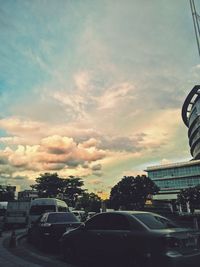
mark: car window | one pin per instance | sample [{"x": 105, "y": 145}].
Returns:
[
  {"x": 155, "y": 222},
  {"x": 61, "y": 217},
  {"x": 118, "y": 222},
  {"x": 40, "y": 209},
  {"x": 99, "y": 222},
  {"x": 62, "y": 209}
]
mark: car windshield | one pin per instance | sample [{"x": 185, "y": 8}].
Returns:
[
  {"x": 40, "y": 209},
  {"x": 62, "y": 218},
  {"x": 155, "y": 222}
]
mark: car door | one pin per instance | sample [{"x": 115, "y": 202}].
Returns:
[
  {"x": 115, "y": 236},
  {"x": 34, "y": 230},
  {"x": 91, "y": 239},
  {"x": 106, "y": 236}
]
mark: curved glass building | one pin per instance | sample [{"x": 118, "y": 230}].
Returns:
[{"x": 191, "y": 118}]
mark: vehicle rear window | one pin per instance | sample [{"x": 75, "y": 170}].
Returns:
[
  {"x": 155, "y": 222},
  {"x": 61, "y": 217},
  {"x": 40, "y": 209}
]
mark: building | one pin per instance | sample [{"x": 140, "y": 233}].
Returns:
[
  {"x": 7, "y": 192},
  {"x": 171, "y": 178},
  {"x": 191, "y": 118},
  {"x": 27, "y": 195}
]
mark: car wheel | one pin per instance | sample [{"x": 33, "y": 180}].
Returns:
[{"x": 68, "y": 253}]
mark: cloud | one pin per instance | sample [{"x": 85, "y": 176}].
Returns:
[
  {"x": 56, "y": 153},
  {"x": 116, "y": 107},
  {"x": 92, "y": 142},
  {"x": 14, "y": 140},
  {"x": 19, "y": 178},
  {"x": 115, "y": 96},
  {"x": 156, "y": 137},
  {"x": 3, "y": 159},
  {"x": 165, "y": 161},
  {"x": 96, "y": 167},
  {"x": 122, "y": 143},
  {"x": 95, "y": 181},
  {"x": 82, "y": 80},
  {"x": 19, "y": 127},
  {"x": 57, "y": 144}
]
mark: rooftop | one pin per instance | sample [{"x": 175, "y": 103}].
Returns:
[{"x": 173, "y": 165}]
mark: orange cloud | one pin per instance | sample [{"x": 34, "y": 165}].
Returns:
[{"x": 52, "y": 153}]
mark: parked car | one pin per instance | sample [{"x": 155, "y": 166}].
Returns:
[
  {"x": 48, "y": 229},
  {"x": 39, "y": 206},
  {"x": 132, "y": 239}
]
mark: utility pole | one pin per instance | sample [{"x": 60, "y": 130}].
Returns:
[{"x": 196, "y": 19}]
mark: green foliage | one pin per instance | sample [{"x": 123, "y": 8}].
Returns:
[
  {"x": 48, "y": 185},
  {"x": 72, "y": 189},
  {"x": 89, "y": 202},
  {"x": 7, "y": 193},
  {"x": 190, "y": 195},
  {"x": 132, "y": 192},
  {"x": 51, "y": 185}
]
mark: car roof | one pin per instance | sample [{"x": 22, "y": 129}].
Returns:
[
  {"x": 59, "y": 212},
  {"x": 131, "y": 212}
]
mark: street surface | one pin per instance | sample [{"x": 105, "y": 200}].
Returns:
[{"x": 25, "y": 255}]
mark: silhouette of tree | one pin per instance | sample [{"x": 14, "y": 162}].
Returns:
[
  {"x": 51, "y": 185},
  {"x": 190, "y": 195},
  {"x": 132, "y": 192},
  {"x": 89, "y": 202}
]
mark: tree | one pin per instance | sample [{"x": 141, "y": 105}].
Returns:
[
  {"x": 132, "y": 192},
  {"x": 72, "y": 189},
  {"x": 89, "y": 202},
  {"x": 51, "y": 185},
  {"x": 190, "y": 195},
  {"x": 48, "y": 185}
]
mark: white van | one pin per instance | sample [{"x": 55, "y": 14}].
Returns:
[{"x": 42, "y": 205}]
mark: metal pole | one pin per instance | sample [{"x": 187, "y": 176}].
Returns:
[{"x": 195, "y": 22}]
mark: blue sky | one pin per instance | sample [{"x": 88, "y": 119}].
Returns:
[{"x": 93, "y": 88}]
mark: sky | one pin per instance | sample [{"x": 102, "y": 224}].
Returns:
[{"x": 93, "y": 88}]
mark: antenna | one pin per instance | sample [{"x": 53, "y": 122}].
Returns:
[{"x": 196, "y": 19}]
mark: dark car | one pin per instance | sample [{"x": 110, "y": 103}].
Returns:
[
  {"x": 49, "y": 228},
  {"x": 132, "y": 239}
]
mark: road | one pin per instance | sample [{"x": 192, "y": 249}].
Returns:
[{"x": 25, "y": 255}]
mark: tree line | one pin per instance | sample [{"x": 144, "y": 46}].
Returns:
[{"x": 130, "y": 193}]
